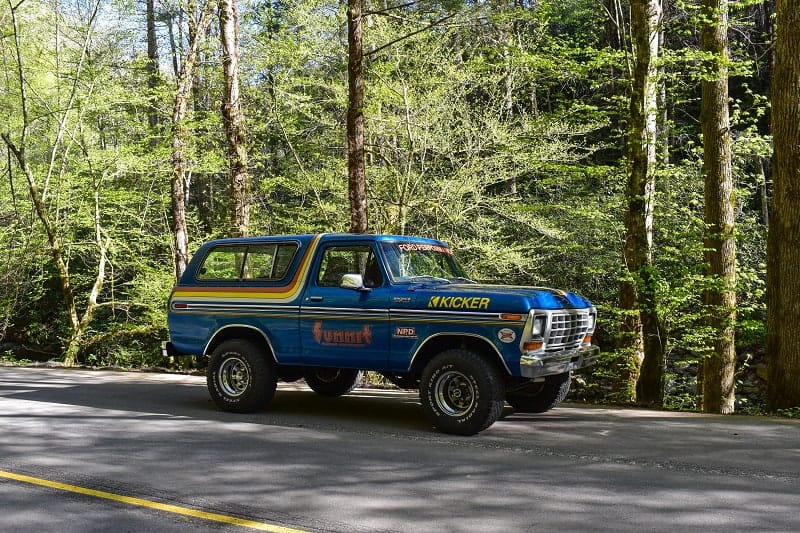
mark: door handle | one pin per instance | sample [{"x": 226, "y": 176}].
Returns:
[{"x": 315, "y": 298}]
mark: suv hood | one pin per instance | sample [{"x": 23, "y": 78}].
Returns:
[{"x": 499, "y": 298}]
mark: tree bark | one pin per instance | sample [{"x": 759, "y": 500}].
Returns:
[
  {"x": 638, "y": 293},
  {"x": 356, "y": 175},
  {"x": 613, "y": 26},
  {"x": 179, "y": 135},
  {"x": 783, "y": 261},
  {"x": 719, "y": 242},
  {"x": 169, "y": 18},
  {"x": 152, "y": 63},
  {"x": 239, "y": 182}
]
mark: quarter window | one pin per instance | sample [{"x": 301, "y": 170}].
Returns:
[{"x": 259, "y": 262}]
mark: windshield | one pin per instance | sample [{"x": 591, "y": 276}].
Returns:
[{"x": 412, "y": 261}]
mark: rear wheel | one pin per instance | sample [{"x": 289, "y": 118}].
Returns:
[
  {"x": 332, "y": 381},
  {"x": 538, "y": 397},
  {"x": 461, "y": 392},
  {"x": 240, "y": 378}
]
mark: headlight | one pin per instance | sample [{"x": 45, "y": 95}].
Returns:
[
  {"x": 538, "y": 326},
  {"x": 590, "y": 322}
]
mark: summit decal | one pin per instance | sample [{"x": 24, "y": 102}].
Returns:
[{"x": 354, "y": 338}]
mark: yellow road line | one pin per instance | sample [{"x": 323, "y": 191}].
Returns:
[{"x": 195, "y": 513}]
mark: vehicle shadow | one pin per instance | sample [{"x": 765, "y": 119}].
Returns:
[{"x": 148, "y": 395}]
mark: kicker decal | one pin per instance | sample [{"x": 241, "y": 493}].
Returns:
[{"x": 458, "y": 302}]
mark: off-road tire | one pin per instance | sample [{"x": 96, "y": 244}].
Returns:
[
  {"x": 240, "y": 377},
  {"x": 539, "y": 397},
  {"x": 461, "y": 392},
  {"x": 332, "y": 381}
]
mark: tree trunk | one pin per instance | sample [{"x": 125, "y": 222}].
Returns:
[
  {"x": 103, "y": 243},
  {"x": 202, "y": 102},
  {"x": 663, "y": 110},
  {"x": 179, "y": 134},
  {"x": 719, "y": 243},
  {"x": 152, "y": 63},
  {"x": 239, "y": 182},
  {"x": 356, "y": 178},
  {"x": 53, "y": 239},
  {"x": 173, "y": 46},
  {"x": 638, "y": 293},
  {"x": 783, "y": 261},
  {"x": 762, "y": 191},
  {"x": 613, "y": 26}
]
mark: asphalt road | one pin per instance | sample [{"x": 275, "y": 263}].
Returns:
[{"x": 370, "y": 462}]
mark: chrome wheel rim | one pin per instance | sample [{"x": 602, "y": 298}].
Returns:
[
  {"x": 454, "y": 393},
  {"x": 233, "y": 377}
]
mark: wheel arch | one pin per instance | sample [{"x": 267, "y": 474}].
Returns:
[
  {"x": 240, "y": 331},
  {"x": 438, "y": 343}
]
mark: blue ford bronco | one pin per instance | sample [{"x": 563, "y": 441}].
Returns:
[{"x": 327, "y": 307}]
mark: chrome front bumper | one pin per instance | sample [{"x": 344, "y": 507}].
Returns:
[{"x": 534, "y": 365}]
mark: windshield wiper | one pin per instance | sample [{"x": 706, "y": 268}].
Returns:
[{"x": 414, "y": 279}]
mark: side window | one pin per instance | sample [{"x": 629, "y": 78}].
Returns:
[
  {"x": 283, "y": 258},
  {"x": 260, "y": 262},
  {"x": 223, "y": 263},
  {"x": 340, "y": 260}
]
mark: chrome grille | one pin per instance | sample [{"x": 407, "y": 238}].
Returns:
[{"x": 567, "y": 330}]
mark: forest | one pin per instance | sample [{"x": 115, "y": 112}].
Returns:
[{"x": 644, "y": 153}]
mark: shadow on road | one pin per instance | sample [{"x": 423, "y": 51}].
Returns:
[
  {"x": 370, "y": 462},
  {"x": 186, "y": 396}
]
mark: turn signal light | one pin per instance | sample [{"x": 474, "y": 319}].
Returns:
[
  {"x": 507, "y": 316},
  {"x": 587, "y": 339},
  {"x": 532, "y": 346}
]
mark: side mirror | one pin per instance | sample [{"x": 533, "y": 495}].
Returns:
[{"x": 353, "y": 282}]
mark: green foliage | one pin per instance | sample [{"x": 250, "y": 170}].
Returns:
[
  {"x": 94, "y": 165},
  {"x": 500, "y": 129},
  {"x": 680, "y": 392},
  {"x": 793, "y": 412},
  {"x": 8, "y": 358},
  {"x": 126, "y": 347}
]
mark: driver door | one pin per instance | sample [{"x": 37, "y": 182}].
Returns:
[{"x": 346, "y": 328}]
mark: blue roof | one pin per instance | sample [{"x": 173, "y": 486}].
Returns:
[{"x": 327, "y": 237}]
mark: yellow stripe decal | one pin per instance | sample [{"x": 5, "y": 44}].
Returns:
[
  {"x": 277, "y": 294},
  {"x": 185, "y": 511}
]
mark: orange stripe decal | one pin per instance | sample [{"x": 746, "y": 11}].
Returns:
[{"x": 278, "y": 294}]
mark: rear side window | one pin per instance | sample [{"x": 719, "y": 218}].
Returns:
[{"x": 258, "y": 262}]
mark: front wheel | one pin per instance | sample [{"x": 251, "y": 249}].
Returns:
[
  {"x": 461, "y": 392},
  {"x": 240, "y": 378},
  {"x": 533, "y": 397},
  {"x": 332, "y": 381}
]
